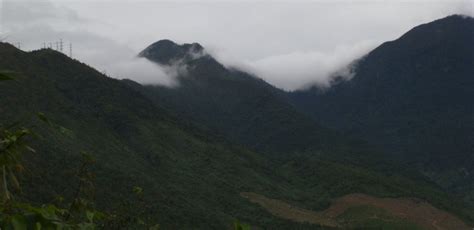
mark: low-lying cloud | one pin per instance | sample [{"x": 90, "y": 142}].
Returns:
[
  {"x": 38, "y": 23},
  {"x": 291, "y": 45},
  {"x": 302, "y": 69},
  {"x": 142, "y": 71}
]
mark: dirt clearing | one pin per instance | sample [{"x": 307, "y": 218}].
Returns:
[{"x": 413, "y": 210}]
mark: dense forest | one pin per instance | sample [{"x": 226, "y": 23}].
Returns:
[
  {"x": 412, "y": 97},
  {"x": 81, "y": 150}
]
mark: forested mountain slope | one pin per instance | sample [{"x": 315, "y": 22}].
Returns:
[
  {"x": 184, "y": 173},
  {"x": 190, "y": 177},
  {"x": 242, "y": 108},
  {"x": 412, "y": 97}
]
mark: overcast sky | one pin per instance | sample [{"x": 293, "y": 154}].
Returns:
[{"x": 290, "y": 44}]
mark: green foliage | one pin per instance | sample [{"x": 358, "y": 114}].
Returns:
[
  {"x": 240, "y": 226},
  {"x": 11, "y": 146},
  {"x": 25, "y": 216},
  {"x": 18, "y": 215},
  {"x": 151, "y": 166},
  {"x": 412, "y": 98}
]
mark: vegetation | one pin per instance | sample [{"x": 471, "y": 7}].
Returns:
[
  {"x": 20, "y": 215},
  {"x": 411, "y": 98},
  {"x": 244, "y": 109},
  {"x": 191, "y": 177}
]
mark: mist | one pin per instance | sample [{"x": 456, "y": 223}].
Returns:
[
  {"x": 49, "y": 23},
  {"x": 290, "y": 45},
  {"x": 301, "y": 69}
]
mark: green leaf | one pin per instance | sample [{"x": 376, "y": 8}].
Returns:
[
  {"x": 19, "y": 222},
  {"x": 14, "y": 180},
  {"x": 90, "y": 216},
  {"x": 49, "y": 212},
  {"x": 138, "y": 190},
  {"x": 240, "y": 226}
]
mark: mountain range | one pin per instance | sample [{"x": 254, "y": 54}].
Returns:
[{"x": 401, "y": 127}]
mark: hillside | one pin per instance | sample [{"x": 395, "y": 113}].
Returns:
[
  {"x": 184, "y": 172},
  {"x": 192, "y": 177},
  {"x": 412, "y": 97},
  {"x": 244, "y": 109}
]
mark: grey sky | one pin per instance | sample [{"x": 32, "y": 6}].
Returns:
[{"x": 288, "y": 43}]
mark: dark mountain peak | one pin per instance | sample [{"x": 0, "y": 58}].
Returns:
[
  {"x": 453, "y": 23},
  {"x": 436, "y": 46},
  {"x": 454, "y": 28},
  {"x": 456, "y": 17},
  {"x": 164, "y": 43},
  {"x": 167, "y": 52},
  {"x": 189, "y": 60},
  {"x": 409, "y": 96}
]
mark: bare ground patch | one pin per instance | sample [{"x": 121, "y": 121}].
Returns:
[{"x": 414, "y": 210}]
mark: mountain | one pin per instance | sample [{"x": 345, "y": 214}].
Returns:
[
  {"x": 167, "y": 52},
  {"x": 191, "y": 178},
  {"x": 221, "y": 146},
  {"x": 242, "y": 108},
  {"x": 412, "y": 97}
]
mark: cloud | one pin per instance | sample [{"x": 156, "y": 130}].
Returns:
[
  {"x": 15, "y": 14},
  {"x": 301, "y": 69},
  {"x": 141, "y": 70},
  {"x": 288, "y": 43},
  {"x": 35, "y": 23}
]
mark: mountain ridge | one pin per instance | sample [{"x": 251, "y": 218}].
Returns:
[
  {"x": 195, "y": 148},
  {"x": 245, "y": 109},
  {"x": 411, "y": 97}
]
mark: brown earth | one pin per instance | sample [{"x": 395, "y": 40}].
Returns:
[
  {"x": 414, "y": 210},
  {"x": 288, "y": 211}
]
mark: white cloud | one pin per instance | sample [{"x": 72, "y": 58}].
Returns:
[
  {"x": 299, "y": 69},
  {"x": 140, "y": 70},
  {"x": 290, "y": 44},
  {"x": 35, "y": 23}
]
